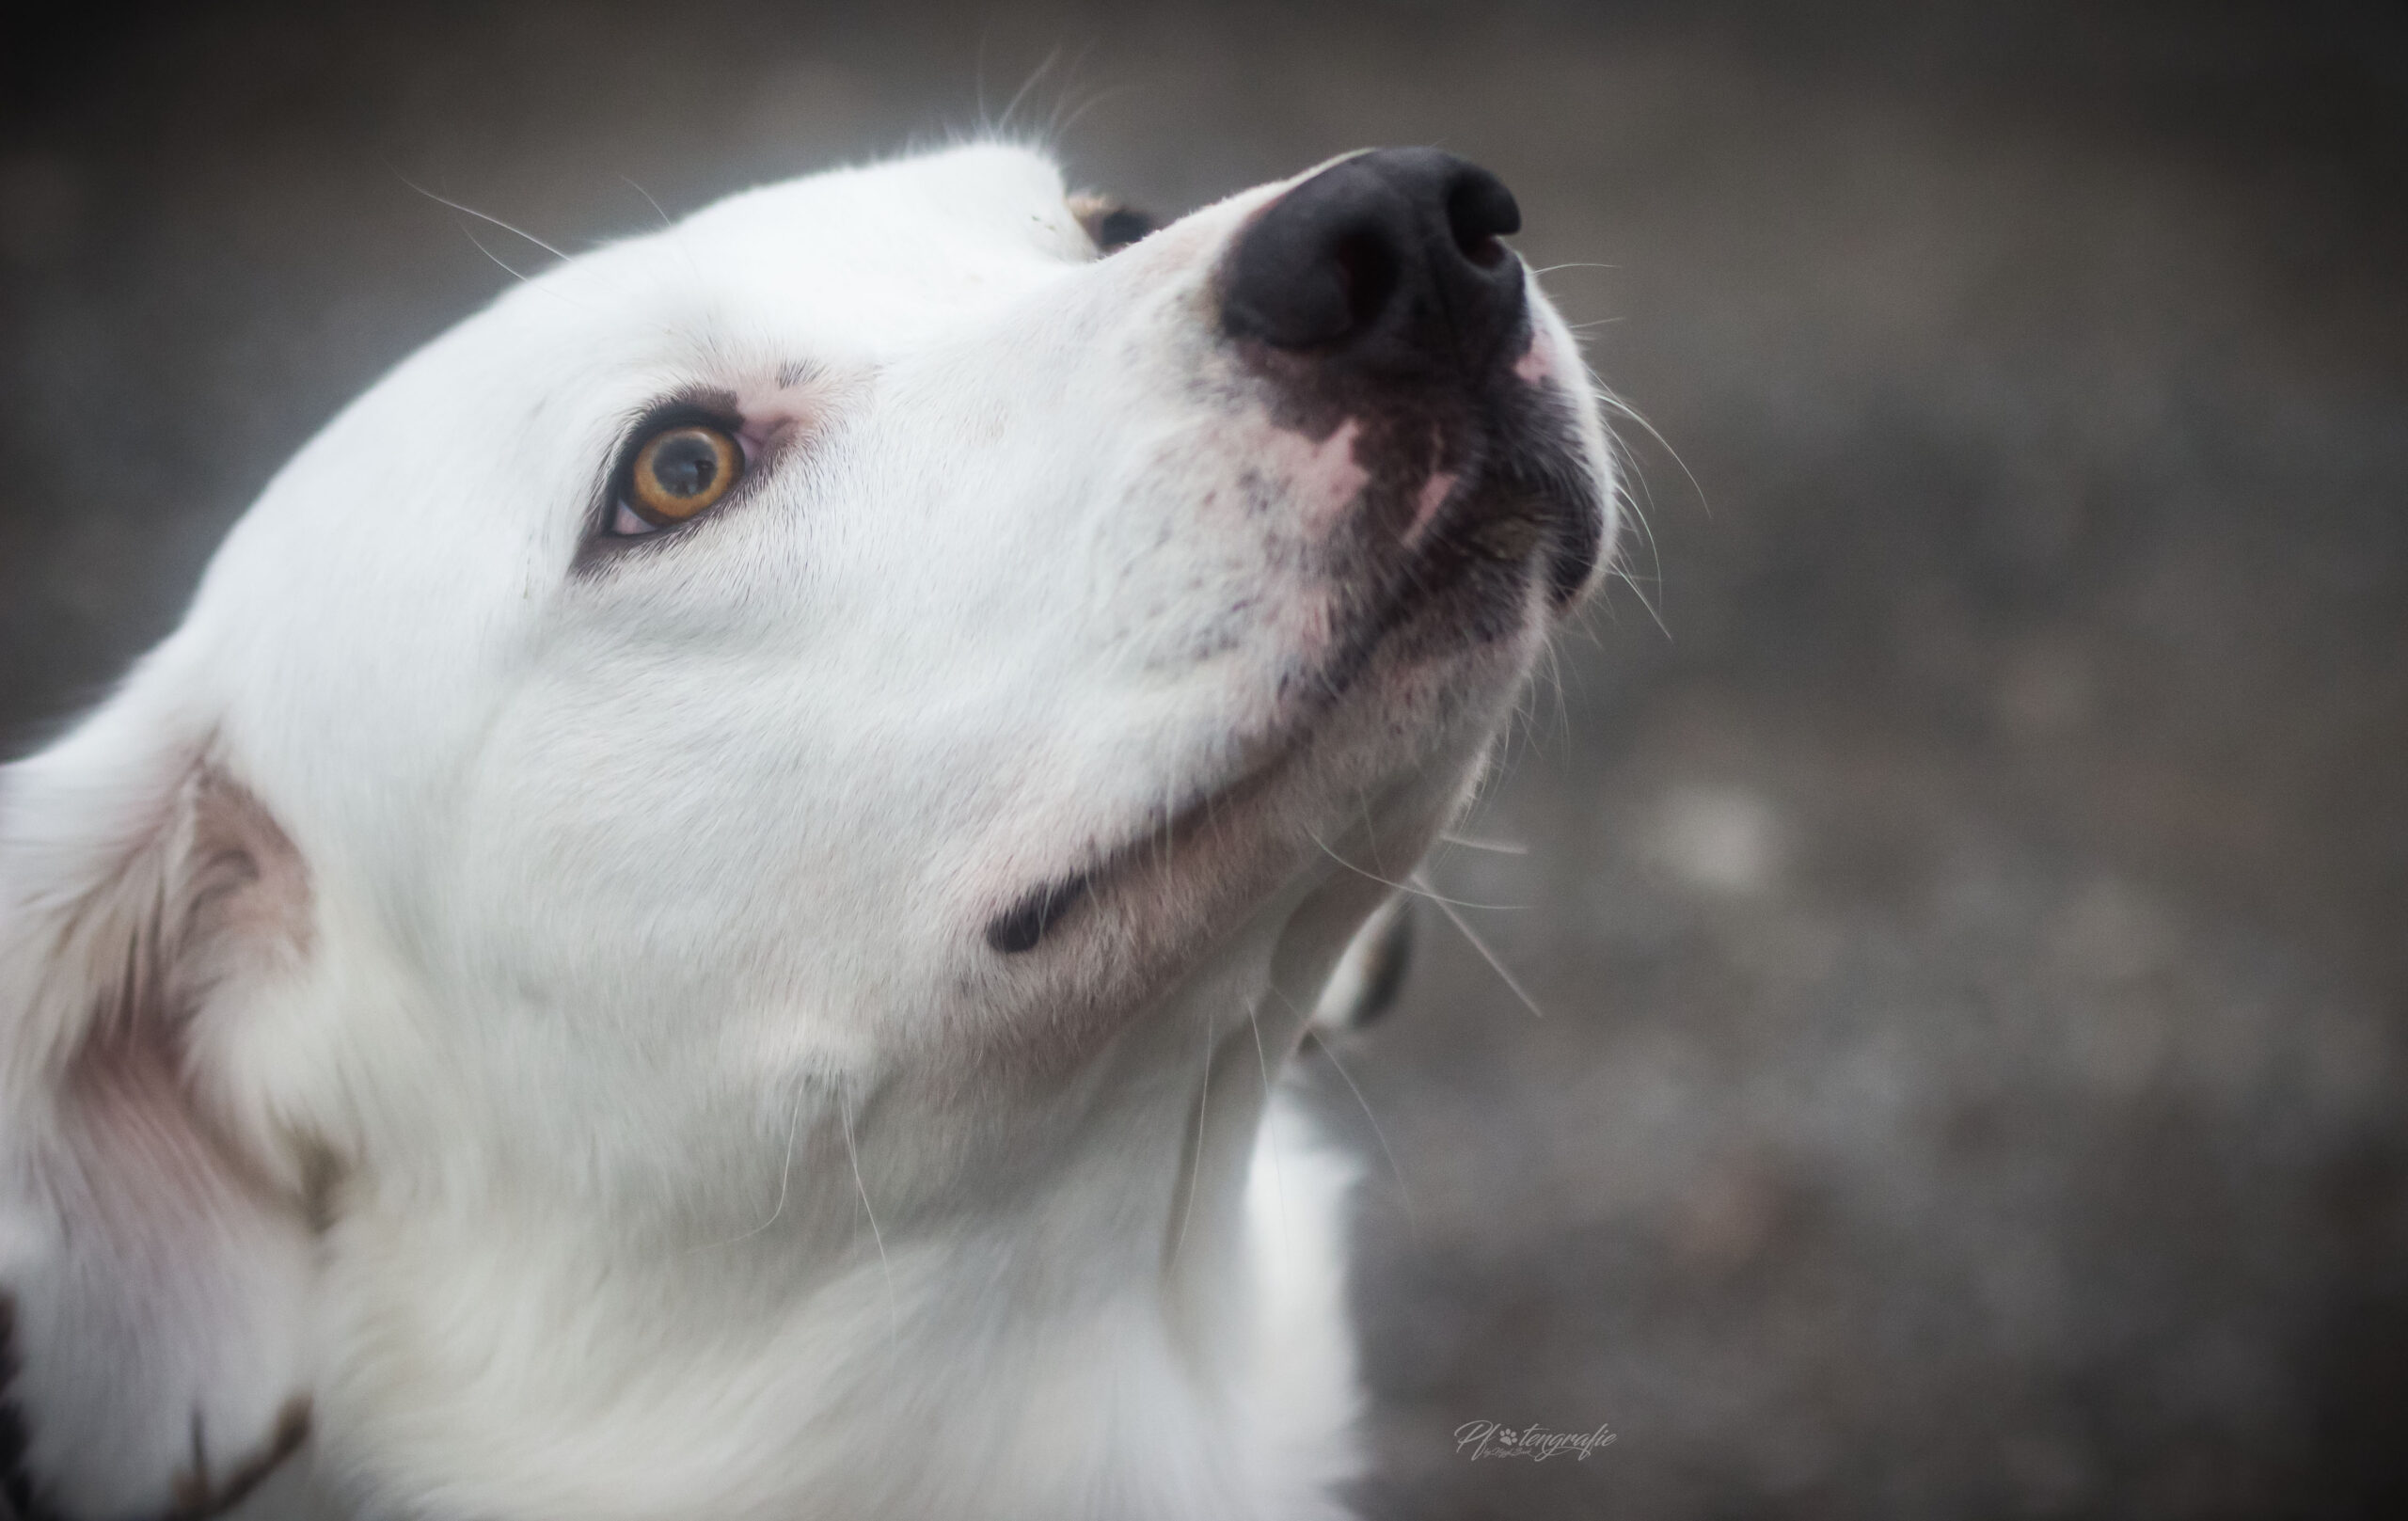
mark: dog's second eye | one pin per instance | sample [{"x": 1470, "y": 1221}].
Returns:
[
  {"x": 678, "y": 472},
  {"x": 1111, "y": 225}
]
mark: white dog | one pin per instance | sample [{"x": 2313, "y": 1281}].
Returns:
[{"x": 702, "y": 919}]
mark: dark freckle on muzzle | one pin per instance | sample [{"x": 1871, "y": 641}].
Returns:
[{"x": 1020, "y": 926}]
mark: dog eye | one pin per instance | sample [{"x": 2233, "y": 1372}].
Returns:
[
  {"x": 1111, "y": 225},
  {"x": 677, "y": 473}
]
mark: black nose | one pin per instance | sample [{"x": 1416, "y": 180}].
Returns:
[{"x": 1388, "y": 261}]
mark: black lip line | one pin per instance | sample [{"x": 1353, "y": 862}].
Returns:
[
  {"x": 1028, "y": 922},
  {"x": 1020, "y": 926}
]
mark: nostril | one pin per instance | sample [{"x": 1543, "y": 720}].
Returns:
[
  {"x": 1387, "y": 260},
  {"x": 1368, "y": 264},
  {"x": 1479, "y": 210}
]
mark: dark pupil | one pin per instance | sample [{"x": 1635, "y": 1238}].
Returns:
[{"x": 685, "y": 464}]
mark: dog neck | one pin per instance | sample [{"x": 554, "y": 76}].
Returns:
[{"x": 1068, "y": 1292}]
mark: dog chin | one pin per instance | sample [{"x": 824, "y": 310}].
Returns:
[{"x": 1331, "y": 775}]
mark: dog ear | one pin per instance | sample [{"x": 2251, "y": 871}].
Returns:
[{"x": 154, "y": 1268}]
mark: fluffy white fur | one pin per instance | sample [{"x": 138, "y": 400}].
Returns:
[{"x": 529, "y": 1011}]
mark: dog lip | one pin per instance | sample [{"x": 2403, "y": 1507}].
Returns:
[
  {"x": 1540, "y": 512},
  {"x": 1513, "y": 531},
  {"x": 1034, "y": 915},
  {"x": 1020, "y": 926},
  {"x": 1540, "y": 497}
]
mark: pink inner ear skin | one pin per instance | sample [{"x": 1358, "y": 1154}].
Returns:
[
  {"x": 146, "y": 1167},
  {"x": 247, "y": 889}
]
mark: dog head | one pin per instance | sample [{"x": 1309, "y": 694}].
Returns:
[{"x": 863, "y": 655}]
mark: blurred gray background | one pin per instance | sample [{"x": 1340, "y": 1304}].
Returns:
[{"x": 1965, "y": 873}]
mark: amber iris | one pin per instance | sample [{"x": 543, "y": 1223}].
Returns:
[{"x": 681, "y": 470}]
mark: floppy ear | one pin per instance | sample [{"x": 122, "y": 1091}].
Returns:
[{"x": 154, "y": 1271}]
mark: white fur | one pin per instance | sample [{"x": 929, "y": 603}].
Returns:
[{"x": 588, "y": 1085}]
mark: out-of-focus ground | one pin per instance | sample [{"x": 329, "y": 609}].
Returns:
[{"x": 1971, "y": 909}]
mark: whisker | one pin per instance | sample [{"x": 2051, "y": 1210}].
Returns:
[
  {"x": 1562, "y": 704},
  {"x": 1370, "y": 833},
  {"x": 894, "y": 1318},
  {"x": 506, "y": 267},
  {"x": 1195, "y": 1159},
  {"x": 1636, "y": 512},
  {"x": 1001, "y": 125},
  {"x": 1278, "y": 1176},
  {"x": 1411, "y": 884},
  {"x": 1502, "y": 848},
  {"x": 979, "y": 69},
  {"x": 471, "y": 210},
  {"x": 1620, "y": 409},
  {"x": 676, "y": 235},
  {"x": 1405, "y": 1194},
  {"x": 647, "y": 195},
  {"x": 1099, "y": 98},
  {"x": 785, "y": 1175},
  {"x": 1494, "y": 965},
  {"x": 1053, "y": 127}
]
